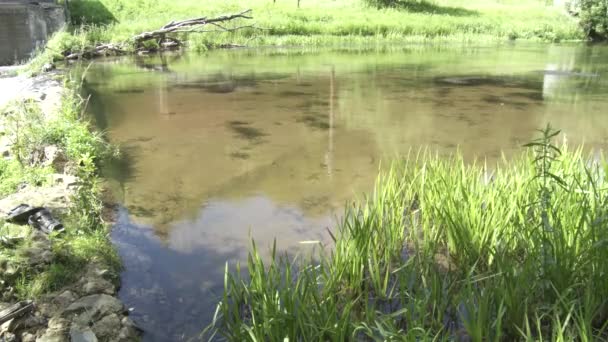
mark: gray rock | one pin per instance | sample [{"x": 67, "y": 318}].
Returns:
[
  {"x": 128, "y": 322},
  {"x": 78, "y": 334},
  {"x": 65, "y": 298},
  {"x": 59, "y": 324},
  {"x": 91, "y": 308},
  {"x": 108, "y": 327},
  {"x": 38, "y": 256},
  {"x": 53, "y": 336},
  {"x": 8, "y": 337},
  {"x": 97, "y": 285},
  {"x": 25, "y": 323},
  {"x": 27, "y": 337},
  {"x": 55, "y": 157},
  {"x": 128, "y": 334}
]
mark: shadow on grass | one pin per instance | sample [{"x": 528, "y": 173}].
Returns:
[{"x": 416, "y": 6}]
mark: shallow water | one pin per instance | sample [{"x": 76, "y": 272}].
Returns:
[{"x": 271, "y": 144}]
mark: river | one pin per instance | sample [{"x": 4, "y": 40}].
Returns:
[{"x": 268, "y": 144}]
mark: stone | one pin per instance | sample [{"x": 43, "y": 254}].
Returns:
[
  {"x": 128, "y": 322},
  {"x": 8, "y": 337},
  {"x": 128, "y": 334},
  {"x": 59, "y": 324},
  {"x": 97, "y": 285},
  {"x": 55, "y": 157},
  {"x": 26, "y": 323},
  {"x": 38, "y": 256},
  {"x": 28, "y": 337},
  {"x": 108, "y": 327},
  {"x": 65, "y": 298},
  {"x": 79, "y": 334},
  {"x": 48, "y": 67},
  {"x": 88, "y": 309},
  {"x": 53, "y": 336}
]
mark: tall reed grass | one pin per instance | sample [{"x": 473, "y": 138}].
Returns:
[{"x": 444, "y": 250}]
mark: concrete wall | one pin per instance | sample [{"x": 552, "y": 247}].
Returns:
[{"x": 25, "y": 26}]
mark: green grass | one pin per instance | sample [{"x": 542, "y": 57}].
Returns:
[
  {"x": 322, "y": 22},
  {"x": 444, "y": 250},
  {"x": 86, "y": 238}
]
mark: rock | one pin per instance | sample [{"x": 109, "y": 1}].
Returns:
[
  {"x": 65, "y": 298},
  {"x": 47, "y": 67},
  {"x": 56, "y": 198},
  {"x": 128, "y": 334},
  {"x": 8, "y": 337},
  {"x": 88, "y": 309},
  {"x": 59, "y": 324},
  {"x": 55, "y": 157},
  {"x": 27, "y": 337},
  {"x": 78, "y": 334},
  {"x": 25, "y": 323},
  {"x": 53, "y": 336},
  {"x": 97, "y": 285},
  {"x": 128, "y": 322},
  {"x": 37, "y": 256},
  {"x": 108, "y": 327}
]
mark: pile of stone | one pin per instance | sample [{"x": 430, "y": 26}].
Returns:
[{"x": 87, "y": 311}]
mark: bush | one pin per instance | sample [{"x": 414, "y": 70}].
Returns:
[
  {"x": 382, "y": 3},
  {"x": 594, "y": 18}
]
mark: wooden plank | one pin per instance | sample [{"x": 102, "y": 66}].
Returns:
[{"x": 16, "y": 310}]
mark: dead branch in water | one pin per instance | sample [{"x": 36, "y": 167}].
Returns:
[
  {"x": 196, "y": 25},
  {"x": 192, "y": 25},
  {"x": 99, "y": 50}
]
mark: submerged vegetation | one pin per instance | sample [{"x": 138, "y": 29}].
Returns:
[{"x": 445, "y": 250}]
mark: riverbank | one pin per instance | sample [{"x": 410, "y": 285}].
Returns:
[
  {"x": 50, "y": 158},
  {"x": 445, "y": 250},
  {"x": 315, "y": 23}
]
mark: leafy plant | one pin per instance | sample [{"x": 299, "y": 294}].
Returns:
[{"x": 594, "y": 18}]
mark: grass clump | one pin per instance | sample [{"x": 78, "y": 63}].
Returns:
[{"x": 445, "y": 250}]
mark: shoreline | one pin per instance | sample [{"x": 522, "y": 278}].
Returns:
[{"x": 72, "y": 279}]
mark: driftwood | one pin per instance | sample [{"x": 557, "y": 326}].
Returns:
[
  {"x": 196, "y": 25},
  {"x": 16, "y": 310},
  {"x": 193, "y": 25},
  {"x": 99, "y": 50}
]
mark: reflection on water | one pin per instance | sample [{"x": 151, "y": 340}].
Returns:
[{"x": 220, "y": 148}]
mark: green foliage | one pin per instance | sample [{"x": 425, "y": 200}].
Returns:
[
  {"x": 445, "y": 250},
  {"x": 89, "y": 12},
  {"x": 594, "y": 18},
  {"x": 382, "y": 3}
]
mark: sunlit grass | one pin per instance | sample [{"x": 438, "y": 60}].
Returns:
[
  {"x": 325, "y": 22},
  {"x": 445, "y": 250}
]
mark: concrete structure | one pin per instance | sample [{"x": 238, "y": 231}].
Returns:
[{"x": 25, "y": 26}]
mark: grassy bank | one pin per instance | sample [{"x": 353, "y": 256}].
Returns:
[
  {"x": 444, "y": 250},
  {"x": 321, "y": 22},
  {"x": 86, "y": 238}
]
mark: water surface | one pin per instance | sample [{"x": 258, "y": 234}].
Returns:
[{"x": 271, "y": 144}]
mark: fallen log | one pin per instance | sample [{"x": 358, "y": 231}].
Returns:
[
  {"x": 192, "y": 25},
  {"x": 99, "y": 50},
  {"x": 195, "y": 25}
]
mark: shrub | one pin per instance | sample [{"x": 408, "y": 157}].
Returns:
[{"x": 594, "y": 18}]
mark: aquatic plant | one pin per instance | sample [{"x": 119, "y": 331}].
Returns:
[{"x": 444, "y": 249}]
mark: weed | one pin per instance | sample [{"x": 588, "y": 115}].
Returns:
[{"x": 445, "y": 250}]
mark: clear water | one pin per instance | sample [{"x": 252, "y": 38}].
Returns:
[{"x": 271, "y": 144}]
